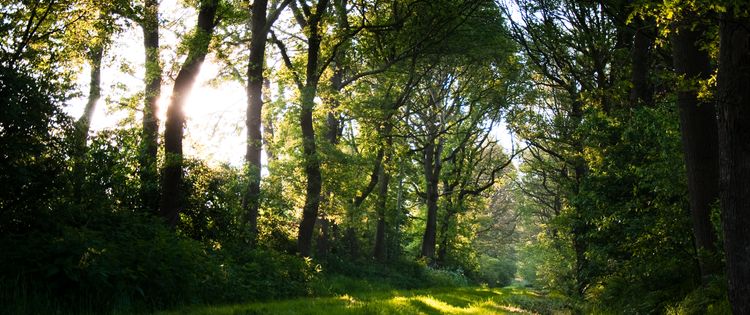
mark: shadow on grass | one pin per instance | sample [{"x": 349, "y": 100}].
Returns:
[{"x": 431, "y": 301}]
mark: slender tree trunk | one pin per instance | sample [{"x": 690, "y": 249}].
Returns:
[
  {"x": 312, "y": 161},
  {"x": 581, "y": 263},
  {"x": 394, "y": 235},
  {"x": 322, "y": 243},
  {"x": 332, "y": 136},
  {"x": 432, "y": 165},
  {"x": 172, "y": 196},
  {"x": 312, "y": 173},
  {"x": 581, "y": 227},
  {"x": 442, "y": 254},
  {"x": 350, "y": 235},
  {"x": 384, "y": 177},
  {"x": 251, "y": 200},
  {"x": 642, "y": 91},
  {"x": 82, "y": 125},
  {"x": 734, "y": 132},
  {"x": 268, "y": 128},
  {"x": 332, "y": 122},
  {"x": 699, "y": 141},
  {"x": 84, "y": 122},
  {"x": 148, "y": 172}
]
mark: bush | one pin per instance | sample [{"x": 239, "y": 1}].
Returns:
[
  {"x": 259, "y": 274},
  {"x": 709, "y": 299},
  {"x": 446, "y": 278},
  {"x": 109, "y": 264},
  {"x": 134, "y": 263},
  {"x": 495, "y": 272}
]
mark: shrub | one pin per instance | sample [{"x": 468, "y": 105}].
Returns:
[
  {"x": 709, "y": 299},
  {"x": 495, "y": 272},
  {"x": 258, "y": 274},
  {"x": 110, "y": 264},
  {"x": 445, "y": 278}
]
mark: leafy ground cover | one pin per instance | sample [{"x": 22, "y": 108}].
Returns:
[{"x": 467, "y": 300}]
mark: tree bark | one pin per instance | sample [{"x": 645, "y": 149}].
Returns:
[
  {"x": 332, "y": 136},
  {"x": 581, "y": 226},
  {"x": 147, "y": 158},
  {"x": 442, "y": 254},
  {"x": 432, "y": 166},
  {"x": 311, "y": 159},
  {"x": 734, "y": 131},
  {"x": 642, "y": 91},
  {"x": 251, "y": 200},
  {"x": 384, "y": 177},
  {"x": 172, "y": 197},
  {"x": 350, "y": 236},
  {"x": 699, "y": 141},
  {"x": 268, "y": 128},
  {"x": 95, "y": 88},
  {"x": 322, "y": 243},
  {"x": 312, "y": 173}
]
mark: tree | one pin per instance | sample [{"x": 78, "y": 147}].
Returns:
[
  {"x": 103, "y": 30},
  {"x": 474, "y": 167},
  {"x": 260, "y": 26},
  {"x": 445, "y": 105},
  {"x": 148, "y": 172},
  {"x": 733, "y": 99},
  {"x": 544, "y": 38},
  {"x": 172, "y": 192},
  {"x": 310, "y": 19},
  {"x": 699, "y": 136}
]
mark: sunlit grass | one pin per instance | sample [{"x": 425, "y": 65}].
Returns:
[{"x": 431, "y": 301}]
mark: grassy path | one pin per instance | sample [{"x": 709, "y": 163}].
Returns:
[{"x": 429, "y": 301}]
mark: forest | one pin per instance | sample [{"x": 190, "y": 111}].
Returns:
[{"x": 375, "y": 157}]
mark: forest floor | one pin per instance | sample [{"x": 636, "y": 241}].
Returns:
[{"x": 466, "y": 300}]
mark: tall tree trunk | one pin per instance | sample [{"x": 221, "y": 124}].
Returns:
[
  {"x": 384, "y": 177},
  {"x": 95, "y": 59},
  {"x": 394, "y": 236},
  {"x": 581, "y": 227},
  {"x": 172, "y": 196},
  {"x": 642, "y": 91},
  {"x": 322, "y": 243},
  {"x": 734, "y": 132},
  {"x": 82, "y": 125},
  {"x": 312, "y": 173},
  {"x": 311, "y": 159},
  {"x": 699, "y": 140},
  {"x": 350, "y": 235},
  {"x": 268, "y": 128},
  {"x": 332, "y": 136},
  {"x": 442, "y": 254},
  {"x": 432, "y": 165},
  {"x": 148, "y": 172},
  {"x": 251, "y": 200}
]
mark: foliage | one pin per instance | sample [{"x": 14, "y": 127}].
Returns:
[
  {"x": 711, "y": 299},
  {"x": 32, "y": 129},
  {"x": 382, "y": 131}
]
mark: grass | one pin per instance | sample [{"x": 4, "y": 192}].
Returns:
[{"x": 467, "y": 300}]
